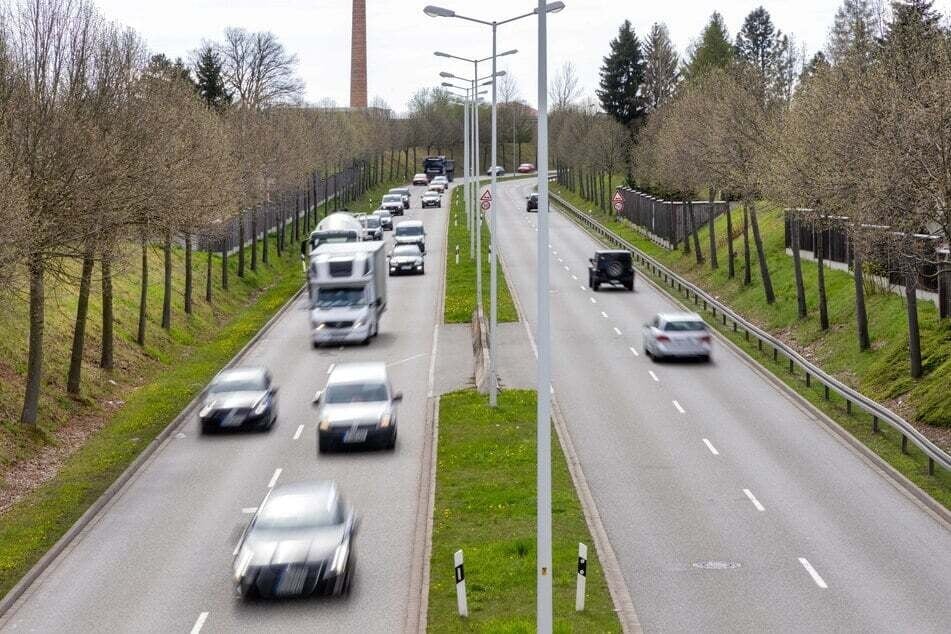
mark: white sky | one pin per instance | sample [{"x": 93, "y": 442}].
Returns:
[{"x": 401, "y": 39}]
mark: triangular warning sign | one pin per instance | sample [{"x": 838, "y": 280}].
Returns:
[
  {"x": 487, "y": 196},
  {"x": 618, "y": 198}
]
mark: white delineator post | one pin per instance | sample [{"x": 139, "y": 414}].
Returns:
[
  {"x": 461, "y": 585},
  {"x": 543, "y": 616},
  {"x": 582, "y": 576},
  {"x": 493, "y": 256}
]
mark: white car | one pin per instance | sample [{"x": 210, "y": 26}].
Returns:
[
  {"x": 440, "y": 182},
  {"x": 386, "y": 219},
  {"x": 677, "y": 335},
  {"x": 358, "y": 406},
  {"x": 432, "y": 198},
  {"x": 498, "y": 169},
  {"x": 407, "y": 258}
]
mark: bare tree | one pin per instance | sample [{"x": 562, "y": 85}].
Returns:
[
  {"x": 258, "y": 69},
  {"x": 563, "y": 89}
]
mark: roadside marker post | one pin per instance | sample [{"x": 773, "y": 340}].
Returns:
[
  {"x": 582, "y": 577},
  {"x": 460, "y": 584},
  {"x": 457, "y": 254}
]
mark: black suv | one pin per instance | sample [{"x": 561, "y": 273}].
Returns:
[
  {"x": 611, "y": 267},
  {"x": 532, "y": 204}
]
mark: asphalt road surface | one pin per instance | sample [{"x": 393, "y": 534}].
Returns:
[
  {"x": 158, "y": 559},
  {"x": 729, "y": 508}
]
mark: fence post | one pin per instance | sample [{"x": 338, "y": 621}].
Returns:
[
  {"x": 460, "y": 585},
  {"x": 944, "y": 282},
  {"x": 582, "y": 577}
]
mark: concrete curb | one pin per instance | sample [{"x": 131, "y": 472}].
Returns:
[
  {"x": 891, "y": 475},
  {"x": 92, "y": 513}
]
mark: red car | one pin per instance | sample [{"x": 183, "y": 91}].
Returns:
[
  {"x": 525, "y": 168},
  {"x": 420, "y": 179}
]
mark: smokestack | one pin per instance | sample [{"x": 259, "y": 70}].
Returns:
[{"x": 358, "y": 56}]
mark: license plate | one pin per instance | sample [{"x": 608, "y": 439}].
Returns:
[
  {"x": 292, "y": 581},
  {"x": 355, "y": 435},
  {"x": 406, "y": 266},
  {"x": 230, "y": 421}
]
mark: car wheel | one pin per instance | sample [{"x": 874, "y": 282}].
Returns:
[
  {"x": 207, "y": 428},
  {"x": 324, "y": 444},
  {"x": 391, "y": 444},
  {"x": 595, "y": 286},
  {"x": 629, "y": 286},
  {"x": 706, "y": 358},
  {"x": 422, "y": 270},
  {"x": 314, "y": 345}
]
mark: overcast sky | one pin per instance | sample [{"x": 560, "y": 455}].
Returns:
[{"x": 401, "y": 39}]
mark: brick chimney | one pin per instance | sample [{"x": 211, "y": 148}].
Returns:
[{"x": 358, "y": 56}]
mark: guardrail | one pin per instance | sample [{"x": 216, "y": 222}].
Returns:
[{"x": 877, "y": 411}]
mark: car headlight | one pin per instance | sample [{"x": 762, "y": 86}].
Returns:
[
  {"x": 385, "y": 420},
  {"x": 324, "y": 424},
  {"x": 419, "y": 261},
  {"x": 242, "y": 562},
  {"x": 340, "y": 559},
  {"x": 261, "y": 407},
  {"x": 319, "y": 325},
  {"x": 207, "y": 409},
  {"x": 360, "y": 323}
]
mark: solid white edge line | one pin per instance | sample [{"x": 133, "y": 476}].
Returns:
[
  {"x": 300, "y": 430},
  {"x": 248, "y": 510},
  {"x": 710, "y": 446},
  {"x": 199, "y": 623},
  {"x": 277, "y": 474},
  {"x": 431, "y": 380},
  {"x": 653, "y": 376},
  {"x": 749, "y": 494},
  {"x": 812, "y": 573},
  {"x": 679, "y": 408},
  {"x": 617, "y": 331},
  {"x": 634, "y": 352}
]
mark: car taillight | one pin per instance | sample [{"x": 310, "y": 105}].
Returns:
[
  {"x": 705, "y": 339},
  {"x": 663, "y": 338}
]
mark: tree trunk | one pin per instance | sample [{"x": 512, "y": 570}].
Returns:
[
  {"x": 224, "y": 263},
  {"x": 74, "y": 376},
  {"x": 914, "y": 334},
  {"x": 265, "y": 251},
  {"x": 861, "y": 316},
  {"x": 797, "y": 264},
  {"x": 282, "y": 223},
  {"x": 144, "y": 292},
  {"x": 714, "y": 264},
  {"x": 747, "y": 273},
  {"x": 240, "y": 244},
  {"x": 34, "y": 370},
  {"x": 296, "y": 217},
  {"x": 693, "y": 230},
  {"x": 730, "y": 251},
  {"x": 208, "y": 273},
  {"x": 254, "y": 238},
  {"x": 821, "y": 276},
  {"x": 686, "y": 244},
  {"x": 189, "y": 278},
  {"x": 761, "y": 256},
  {"x": 106, "y": 360},
  {"x": 167, "y": 290}
]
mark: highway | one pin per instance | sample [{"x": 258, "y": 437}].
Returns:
[
  {"x": 728, "y": 506},
  {"x": 158, "y": 558}
]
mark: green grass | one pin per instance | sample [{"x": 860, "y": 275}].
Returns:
[
  {"x": 461, "y": 278},
  {"x": 881, "y": 373},
  {"x": 485, "y": 505},
  {"x": 370, "y": 201},
  {"x": 155, "y": 382}
]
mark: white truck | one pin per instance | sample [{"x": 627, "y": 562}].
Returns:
[{"x": 347, "y": 284}]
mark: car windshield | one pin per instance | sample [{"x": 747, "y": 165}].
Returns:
[
  {"x": 355, "y": 393},
  {"x": 371, "y": 222},
  {"x": 406, "y": 250},
  {"x": 393, "y": 198},
  {"x": 403, "y": 230},
  {"x": 295, "y": 511},
  {"x": 339, "y": 297},
  {"x": 238, "y": 384},
  {"x": 684, "y": 326}
]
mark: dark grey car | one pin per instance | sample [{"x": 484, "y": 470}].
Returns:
[
  {"x": 242, "y": 398},
  {"x": 298, "y": 543}
]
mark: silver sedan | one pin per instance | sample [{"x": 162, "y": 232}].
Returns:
[{"x": 677, "y": 335}]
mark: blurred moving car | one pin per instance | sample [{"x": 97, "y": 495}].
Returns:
[
  {"x": 358, "y": 406},
  {"x": 404, "y": 192},
  {"x": 239, "y": 398},
  {"x": 372, "y": 227},
  {"x": 431, "y": 199},
  {"x": 410, "y": 232},
  {"x": 525, "y": 168},
  {"x": 439, "y": 183},
  {"x": 298, "y": 543},
  {"x": 611, "y": 266},
  {"x": 407, "y": 258},
  {"x": 386, "y": 219},
  {"x": 393, "y": 203},
  {"x": 677, "y": 335},
  {"x": 420, "y": 179},
  {"x": 498, "y": 169},
  {"x": 531, "y": 203}
]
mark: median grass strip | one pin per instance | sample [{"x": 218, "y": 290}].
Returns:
[
  {"x": 881, "y": 373},
  {"x": 485, "y": 505},
  {"x": 461, "y": 277},
  {"x": 170, "y": 379}
]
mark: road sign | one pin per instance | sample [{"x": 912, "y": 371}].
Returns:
[
  {"x": 486, "y": 205},
  {"x": 618, "y": 201},
  {"x": 486, "y": 196}
]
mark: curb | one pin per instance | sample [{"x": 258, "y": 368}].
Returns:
[
  {"x": 891, "y": 475},
  {"x": 92, "y": 513}
]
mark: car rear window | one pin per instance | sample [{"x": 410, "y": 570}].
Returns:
[
  {"x": 355, "y": 393},
  {"x": 292, "y": 511},
  {"x": 684, "y": 326},
  {"x": 402, "y": 230}
]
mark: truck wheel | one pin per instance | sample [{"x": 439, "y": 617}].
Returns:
[
  {"x": 595, "y": 286},
  {"x": 324, "y": 445}
]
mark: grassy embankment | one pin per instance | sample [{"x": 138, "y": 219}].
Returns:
[
  {"x": 461, "y": 278},
  {"x": 485, "y": 505},
  {"x": 881, "y": 373},
  {"x": 122, "y": 410}
]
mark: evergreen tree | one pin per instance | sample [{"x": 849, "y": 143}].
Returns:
[
  {"x": 211, "y": 83},
  {"x": 816, "y": 66},
  {"x": 660, "y": 67},
  {"x": 713, "y": 50},
  {"x": 913, "y": 21},
  {"x": 761, "y": 46},
  {"x": 622, "y": 79},
  {"x": 161, "y": 67},
  {"x": 853, "y": 30}
]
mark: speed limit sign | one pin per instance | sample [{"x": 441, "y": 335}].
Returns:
[{"x": 486, "y": 205}]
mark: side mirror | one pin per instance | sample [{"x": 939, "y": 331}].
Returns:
[
  {"x": 398, "y": 397},
  {"x": 318, "y": 396}
]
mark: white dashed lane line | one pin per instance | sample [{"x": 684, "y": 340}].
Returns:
[
  {"x": 575, "y": 278},
  {"x": 277, "y": 474},
  {"x": 604, "y": 314},
  {"x": 331, "y": 368},
  {"x": 617, "y": 331},
  {"x": 199, "y": 623},
  {"x": 749, "y": 494},
  {"x": 710, "y": 446},
  {"x": 593, "y": 300},
  {"x": 651, "y": 372},
  {"x": 634, "y": 352},
  {"x": 300, "y": 430},
  {"x": 812, "y": 573},
  {"x": 679, "y": 408}
]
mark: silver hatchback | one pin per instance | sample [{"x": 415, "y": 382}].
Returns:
[{"x": 677, "y": 335}]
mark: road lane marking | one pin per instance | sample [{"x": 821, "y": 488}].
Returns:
[
  {"x": 401, "y": 361},
  {"x": 651, "y": 372},
  {"x": 277, "y": 474},
  {"x": 199, "y": 623},
  {"x": 431, "y": 380},
  {"x": 680, "y": 409},
  {"x": 616, "y": 331},
  {"x": 331, "y": 368},
  {"x": 248, "y": 510},
  {"x": 575, "y": 278},
  {"x": 710, "y": 446},
  {"x": 604, "y": 314},
  {"x": 634, "y": 352},
  {"x": 567, "y": 269},
  {"x": 812, "y": 573},
  {"x": 749, "y": 494},
  {"x": 300, "y": 430},
  {"x": 582, "y": 287},
  {"x": 593, "y": 300}
]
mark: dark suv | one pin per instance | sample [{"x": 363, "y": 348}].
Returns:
[
  {"x": 611, "y": 267},
  {"x": 532, "y": 202}
]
